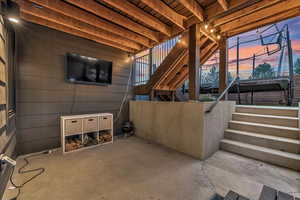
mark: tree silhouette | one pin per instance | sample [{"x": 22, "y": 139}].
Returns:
[
  {"x": 212, "y": 77},
  {"x": 297, "y": 66},
  {"x": 263, "y": 71}
]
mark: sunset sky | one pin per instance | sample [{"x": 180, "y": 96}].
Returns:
[{"x": 248, "y": 49}]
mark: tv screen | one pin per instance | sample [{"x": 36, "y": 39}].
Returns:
[{"x": 87, "y": 70}]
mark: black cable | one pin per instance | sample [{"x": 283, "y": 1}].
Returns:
[{"x": 21, "y": 170}]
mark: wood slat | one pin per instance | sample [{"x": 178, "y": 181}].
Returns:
[
  {"x": 141, "y": 15},
  {"x": 50, "y": 24},
  {"x": 2, "y": 72},
  {"x": 58, "y": 18},
  {"x": 108, "y": 14},
  {"x": 79, "y": 14},
  {"x": 2, "y": 95},
  {"x": 166, "y": 11}
]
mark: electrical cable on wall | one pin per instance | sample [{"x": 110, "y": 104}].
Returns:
[{"x": 125, "y": 95}]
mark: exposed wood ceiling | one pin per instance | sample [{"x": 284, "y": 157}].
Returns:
[{"x": 134, "y": 25}]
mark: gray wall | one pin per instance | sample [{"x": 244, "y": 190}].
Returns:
[{"x": 42, "y": 93}]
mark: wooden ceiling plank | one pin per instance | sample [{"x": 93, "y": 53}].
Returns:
[
  {"x": 76, "y": 13},
  {"x": 161, "y": 8},
  {"x": 59, "y": 27},
  {"x": 224, "y": 4},
  {"x": 108, "y": 14},
  {"x": 194, "y": 8},
  {"x": 282, "y": 6},
  {"x": 53, "y": 16},
  {"x": 141, "y": 15}
]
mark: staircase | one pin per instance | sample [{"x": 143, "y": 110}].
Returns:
[
  {"x": 173, "y": 71},
  {"x": 269, "y": 134}
]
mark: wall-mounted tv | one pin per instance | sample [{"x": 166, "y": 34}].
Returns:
[{"x": 87, "y": 70}]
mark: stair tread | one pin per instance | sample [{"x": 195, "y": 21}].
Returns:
[
  {"x": 270, "y": 137},
  {"x": 266, "y": 116},
  {"x": 268, "y": 107},
  {"x": 265, "y": 125},
  {"x": 263, "y": 149}
]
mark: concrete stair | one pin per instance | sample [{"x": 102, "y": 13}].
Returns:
[
  {"x": 268, "y": 110},
  {"x": 269, "y": 134},
  {"x": 266, "y": 119}
]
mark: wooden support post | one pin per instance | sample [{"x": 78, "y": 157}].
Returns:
[
  {"x": 173, "y": 95},
  {"x": 194, "y": 61},
  {"x": 223, "y": 66},
  {"x": 150, "y": 63},
  {"x": 152, "y": 95}
]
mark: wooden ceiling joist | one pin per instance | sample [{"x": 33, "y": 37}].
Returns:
[
  {"x": 214, "y": 11},
  {"x": 79, "y": 14},
  {"x": 224, "y": 4},
  {"x": 55, "y": 17},
  {"x": 264, "y": 22},
  {"x": 141, "y": 15},
  {"x": 50, "y": 24},
  {"x": 161, "y": 8},
  {"x": 110, "y": 15},
  {"x": 194, "y": 8},
  {"x": 281, "y": 7},
  {"x": 244, "y": 12}
]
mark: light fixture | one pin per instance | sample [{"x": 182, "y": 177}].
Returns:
[
  {"x": 212, "y": 30},
  {"x": 218, "y": 37},
  {"x": 206, "y": 26},
  {"x": 14, "y": 20},
  {"x": 11, "y": 11}
]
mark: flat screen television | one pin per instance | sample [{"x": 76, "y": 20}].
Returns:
[{"x": 87, "y": 70}]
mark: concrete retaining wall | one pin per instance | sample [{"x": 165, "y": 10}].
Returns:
[{"x": 182, "y": 126}]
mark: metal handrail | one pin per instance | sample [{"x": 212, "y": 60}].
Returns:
[{"x": 211, "y": 107}]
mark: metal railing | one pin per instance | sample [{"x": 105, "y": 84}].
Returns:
[
  {"x": 141, "y": 68},
  {"x": 146, "y": 65},
  {"x": 213, "y": 105}
]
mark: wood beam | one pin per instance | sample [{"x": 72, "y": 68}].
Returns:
[
  {"x": 59, "y": 27},
  {"x": 208, "y": 34},
  {"x": 223, "y": 67},
  {"x": 166, "y": 11},
  {"x": 180, "y": 79},
  {"x": 244, "y": 12},
  {"x": 224, "y": 4},
  {"x": 79, "y": 14},
  {"x": 194, "y": 8},
  {"x": 264, "y": 22},
  {"x": 276, "y": 9},
  {"x": 214, "y": 11},
  {"x": 141, "y": 15},
  {"x": 55, "y": 17},
  {"x": 110, "y": 15},
  {"x": 194, "y": 61}
]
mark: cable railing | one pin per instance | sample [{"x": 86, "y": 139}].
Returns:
[{"x": 146, "y": 65}]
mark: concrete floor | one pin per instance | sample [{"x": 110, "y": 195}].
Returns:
[{"x": 132, "y": 169}]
